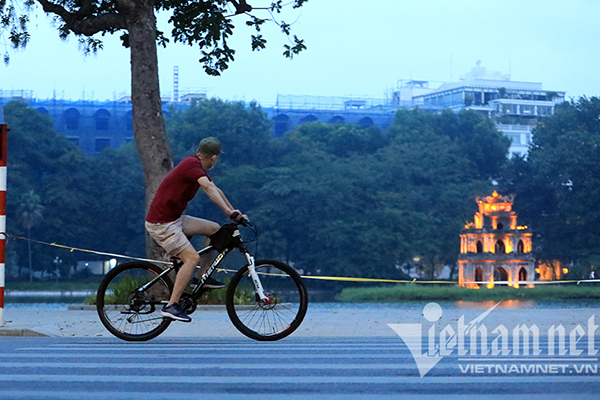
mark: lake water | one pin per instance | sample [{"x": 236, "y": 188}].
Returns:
[{"x": 64, "y": 303}]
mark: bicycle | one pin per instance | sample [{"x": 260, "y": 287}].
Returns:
[{"x": 266, "y": 300}]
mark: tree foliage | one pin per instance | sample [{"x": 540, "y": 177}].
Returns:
[
  {"x": 244, "y": 131},
  {"x": 559, "y": 183},
  {"x": 358, "y": 206},
  {"x": 206, "y": 23},
  {"x": 87, "y": 202},
  {"x": 330, "y": 199}
]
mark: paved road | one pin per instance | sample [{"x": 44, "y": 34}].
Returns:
[{"x": 239, "y": 368}]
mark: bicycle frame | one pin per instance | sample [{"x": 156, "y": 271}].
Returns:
[
  {"x": 216, "y": 262},
  {"x": 251, "y": 268}
]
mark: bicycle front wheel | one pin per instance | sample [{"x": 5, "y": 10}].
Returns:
[
  {"x": 268, "y": 320},
  {"x": 131, "y": 313}
]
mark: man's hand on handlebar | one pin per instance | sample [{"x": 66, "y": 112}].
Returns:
[{"x": 239, "y": 218}]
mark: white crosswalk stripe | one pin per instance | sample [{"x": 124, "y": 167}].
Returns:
[{"x": 297, "y": 368}]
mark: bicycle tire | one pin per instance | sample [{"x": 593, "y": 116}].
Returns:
[
  {"x": 129, "y": 315},
  {"x": 281, "y": 316}
]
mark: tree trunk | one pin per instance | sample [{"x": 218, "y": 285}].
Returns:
[{"x": 148, "y": 124}]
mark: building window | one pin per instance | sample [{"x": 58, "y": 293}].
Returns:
[
  {"x": 337, "y": 120},
  {"x": 520, "y": 247},
  {"x": 479, "y": 247},
  {"x": 102, "y": 118},
  {"x": 129, "y": 120},
  {"x": 72, "y": 117},
  {"x": 101, "y": 144},
  {"x": 308, "y": 118},
  {"x": 281, "y": 124},
  {"x": 365, "y": 122}
]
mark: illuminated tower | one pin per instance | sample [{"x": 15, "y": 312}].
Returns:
[{"x": 493, "y": 248}]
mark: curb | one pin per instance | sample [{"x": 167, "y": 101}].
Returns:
[{"x": 21, "y": 333}]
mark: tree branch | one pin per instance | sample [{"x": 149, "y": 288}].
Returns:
[
  {"x": 241, "y": 6},
  {"x": 83, "y": 22}
]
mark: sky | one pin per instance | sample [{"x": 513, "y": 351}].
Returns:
[{"x": 354, "y": 48}]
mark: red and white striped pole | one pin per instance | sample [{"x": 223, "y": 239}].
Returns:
[{"x": 3, "y": 135}]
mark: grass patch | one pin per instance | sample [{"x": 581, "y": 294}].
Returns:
[
  {"x": 122, "y": 290},
  {"x": 396, "y": 293}
]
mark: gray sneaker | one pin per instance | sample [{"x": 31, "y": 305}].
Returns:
[{"x": 175, "y": 312}]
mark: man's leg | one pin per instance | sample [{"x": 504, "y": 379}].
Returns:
[
  {"x": 173, "y": 238},
  {"x": 193, "y": 226},
  {"x": 190, "y": 259}
]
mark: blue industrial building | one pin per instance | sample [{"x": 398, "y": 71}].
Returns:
[{"x": 514, "y": 106}]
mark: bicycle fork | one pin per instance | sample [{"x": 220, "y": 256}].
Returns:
[{"x": 255, "y": 279}]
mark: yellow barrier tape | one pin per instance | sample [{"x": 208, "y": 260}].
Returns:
[
  {"x": 72, "y": 249},
  {"x": 349, "y": 279},
  {"x": 315, "y": 277}
]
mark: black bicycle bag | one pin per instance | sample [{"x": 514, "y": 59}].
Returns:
[{"x": 225, "y": 238}]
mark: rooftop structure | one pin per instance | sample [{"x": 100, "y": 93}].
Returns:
[
  {"x": 478, "y": 88},
  {"x": 514, "y": 106}
]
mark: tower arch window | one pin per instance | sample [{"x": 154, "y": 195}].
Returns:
[
  {"x": 500, "y": 248},
  {"x": 522, "y": 274},
  {"x": 520, "y": 247},
  {"x": 500, "y": 274},
  {"x": 478, "y": 275},
  {"x": 479, "y": 247}
]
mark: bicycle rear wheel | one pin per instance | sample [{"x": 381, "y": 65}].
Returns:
[
  {"x": 276, "y": 318},
  {"x": 130, "y": 314}
]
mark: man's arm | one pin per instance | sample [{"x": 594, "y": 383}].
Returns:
[
  {"x": 217, "y": 196},
  {"x": 223, "y": 197}
]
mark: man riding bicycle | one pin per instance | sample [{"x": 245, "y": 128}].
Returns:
[{"x": 167, "y": 225}]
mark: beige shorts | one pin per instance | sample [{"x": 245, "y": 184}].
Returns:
[{"x": 170, "y": 235}]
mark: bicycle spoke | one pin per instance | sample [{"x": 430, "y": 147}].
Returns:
[
  {"x": 127, "y": 312},
  {"x": 272, "y": 319}
]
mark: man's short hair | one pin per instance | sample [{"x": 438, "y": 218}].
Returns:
[{"x": 209, "y": 146}]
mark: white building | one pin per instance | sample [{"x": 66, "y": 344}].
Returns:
[{"x": 515, "y": 106}]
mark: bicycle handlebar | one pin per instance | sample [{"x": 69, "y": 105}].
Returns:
[{"x": 239, "y": 219}]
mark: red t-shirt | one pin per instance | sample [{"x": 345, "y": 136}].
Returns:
[{"x": 176, "y": 190}]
